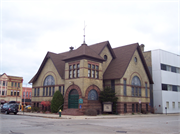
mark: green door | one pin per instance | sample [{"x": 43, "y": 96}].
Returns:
[{"x": 73, "y": 99}]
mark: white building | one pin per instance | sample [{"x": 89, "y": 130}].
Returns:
[{"x": 166, "y": 77}]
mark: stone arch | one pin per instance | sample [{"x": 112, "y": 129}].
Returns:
[
  {"x": 90, "y": 88},
  {"x": 49, "y": 73},
  {"x": 68, "y": 91},
  {"x": 135, "y": 74},
  {"x": 92, "y": 104}
]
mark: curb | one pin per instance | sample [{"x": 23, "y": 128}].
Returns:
[{"x": 97, "y": 117}]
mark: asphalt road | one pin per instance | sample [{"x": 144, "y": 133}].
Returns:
[{"x": 19, "y": 124}]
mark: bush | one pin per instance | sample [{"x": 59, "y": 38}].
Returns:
[
  {"x": 35, "y": 109},
  {"x": 143, "y": 111},
  {"x": 56, "y": 102},
  {"x": 108, "y": 95},
  {"x": 91, "y": 112},
  {"x": 28, "y": 110}
]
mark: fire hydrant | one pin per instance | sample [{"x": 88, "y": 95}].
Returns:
[{"x": 60, "y": 113}]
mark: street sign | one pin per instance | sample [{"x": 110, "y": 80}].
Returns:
[{"x": 80, "y": 100}]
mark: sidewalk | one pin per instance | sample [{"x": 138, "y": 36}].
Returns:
[{"x": 56, "y": 116}]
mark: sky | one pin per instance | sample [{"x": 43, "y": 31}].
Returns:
[{"x": 31, "y": 28}]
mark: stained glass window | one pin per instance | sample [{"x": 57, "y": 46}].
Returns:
[
  {"x": 92, "y": 95},
  {"x": 136, "y": 86},
  {"x": 49, "y": 80}
]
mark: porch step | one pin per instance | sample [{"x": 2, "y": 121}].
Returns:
[{"x": 71, "y": 111}]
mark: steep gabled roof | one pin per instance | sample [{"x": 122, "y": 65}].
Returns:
[
  {"x": 83, "y": 50},
  {"x": 116, "y": 69},
  {"x": 98, "y": 48},
  {"x": 119, "y": 65},
  {"x": 57, "y": 61}
]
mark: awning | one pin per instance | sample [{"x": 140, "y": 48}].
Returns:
[{"x": 3, "y": 101}]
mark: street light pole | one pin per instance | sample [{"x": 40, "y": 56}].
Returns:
[{"x": 16, "y": 94}]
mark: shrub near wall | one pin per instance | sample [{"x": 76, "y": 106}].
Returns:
[
  {"x": 56, "y": 102},
  {"x": 108, "y": 95}
]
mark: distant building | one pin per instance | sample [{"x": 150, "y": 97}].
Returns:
[
  {"x": 26, "y": 95},
  {"x": 165, "y": 69},
  {"x": 84, "y": 72},
  {"x": 10, "y": 88}
]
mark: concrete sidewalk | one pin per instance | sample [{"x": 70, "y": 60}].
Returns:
[{"x": 56, "y": 116}]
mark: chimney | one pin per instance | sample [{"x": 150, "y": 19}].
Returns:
[
  {"x": 71, "y": 48},
  {"x": 142, "y": 47}
]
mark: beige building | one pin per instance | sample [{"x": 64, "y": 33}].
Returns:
[
  {"x": 10, "y": 88},
  {"x": 84, "y": 72}
]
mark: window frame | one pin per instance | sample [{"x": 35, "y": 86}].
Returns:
[
  {"x": 124, "y": 87},
  {"x": 146, "y": 90},
  {"x": 49, "y": 91},
  {"x": 14, "y": 92},
  {"x": 43, "y": 91},
  {"x": 11, "y": 92},
  {"x": 136, "y": 83},
  {"x": 91, "y": 93},
  {"x": 34, "y": 92},
  {"x": 93, "y": 71}
]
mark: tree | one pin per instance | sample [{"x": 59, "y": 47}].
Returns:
[
  {"x": 45, "y": 103},
  {"x": 108, "y": 95},
  {"x": 57, "y": 101}
]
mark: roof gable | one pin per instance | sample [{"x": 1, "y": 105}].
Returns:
[
  {"x": 118, "y": 66},
  {"x": 3, "y": 76},
  {"x": 57, "y": 61},
  {"x": 116, "y": 69},
  {"x": 98, "y": 48},
  {"x": 83, "y": 50}
]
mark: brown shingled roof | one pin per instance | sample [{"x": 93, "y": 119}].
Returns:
[
  {"x": 98, "y": 47},
  {"x": 83, "y": 50},
  {"x": 118, "y": 66},
  {"x": 116, "y": 69},
  {"x": 57, "y": 61}
]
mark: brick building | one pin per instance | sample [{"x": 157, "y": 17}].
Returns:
[
  {"x": 85, "y": 71},
  {"x": 10, "y": 88},
  {"x": 26, "y": 95}
]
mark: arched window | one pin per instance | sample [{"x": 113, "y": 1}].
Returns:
[
  {"x": 92, "y": 95},
  {"x": 49, "y": 80},
  {"x": 136, "y": 86},
  {"x": 105, "y": 57}
]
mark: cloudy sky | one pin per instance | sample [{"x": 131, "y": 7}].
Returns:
[{"x": 31, "y": 28}]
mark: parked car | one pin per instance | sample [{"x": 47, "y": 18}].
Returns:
[
  {"x": 28, "y": 107},
  {"x": 11, "y": 102},
  {"x": 9, "y": 108}
]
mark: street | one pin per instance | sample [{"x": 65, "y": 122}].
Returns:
[{"x": 19, "y": 124}]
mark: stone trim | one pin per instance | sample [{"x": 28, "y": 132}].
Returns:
[
  {"x": 46, "y": 74},
  {"x": 67, "y": 94},
  {"x": 120, "y": 107},
  {"x": 95, "y": 104}
]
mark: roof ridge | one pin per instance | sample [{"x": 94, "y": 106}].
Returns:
[{"x": 126, "y": 45}]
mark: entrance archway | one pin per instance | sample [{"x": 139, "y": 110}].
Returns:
[{"x": 73, "y": 99}]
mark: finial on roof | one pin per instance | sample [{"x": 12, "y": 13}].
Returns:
[
  {"x": 84, "y": 33},
  {"x": 71, "y": 48}
]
